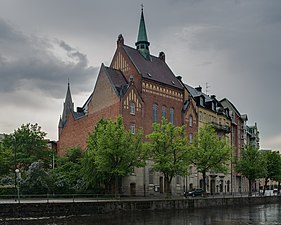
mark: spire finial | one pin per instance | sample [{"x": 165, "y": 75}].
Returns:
[{"x": 142, "y": 43}]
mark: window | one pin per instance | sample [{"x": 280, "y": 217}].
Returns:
[
  {"x": 190, "y": 138},
  {"x": 151, "y": 176},
  {"x": 200, "y": 116},
  {"x": 178, "y": 179},
  {"x": 190, "y": 121},
  {"x": 164, "y": 112},
  {"x": 154, "y": 113},
  {"x": 132, "y": 128},
  {"x": 132, "y": 108},
  {"x": 201, "y": 101},
  {"x": 172, "y": 115}
]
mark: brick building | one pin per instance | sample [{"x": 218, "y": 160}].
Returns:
[{"x": 142, "y": 89}]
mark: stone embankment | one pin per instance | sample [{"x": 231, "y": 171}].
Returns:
[{"x": 26, "y": 209}]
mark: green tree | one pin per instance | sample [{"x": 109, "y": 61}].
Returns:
[
  {"x": 36, "y": 181},
  {"x": 6, "y": 157},
  {"x": 209, "y": 153},
  {"x": 67, "y": 176},
  {"x": 168, "y": 149},
  {"x": 29, "y": 145},
  {"x": 112, "y": 153},
  {"x": 273, "y": 167},
  {"x": 252, "y": 165}
]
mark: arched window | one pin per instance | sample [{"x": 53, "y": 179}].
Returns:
[
  {"x": 172, "y": 115},
  {"x": 132, "y": 108},
  {"x": 154, "y": 113},
  {"x": 164, "y": 112},
  {"x": 190, "y": 120}
]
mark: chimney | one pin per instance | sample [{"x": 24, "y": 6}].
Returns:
[
  {"x": 120, "y": 40},
  {"x": 179, "y": 78},
  {"x": 198, "y": 88},
  {"x": 162, "y": 56}
]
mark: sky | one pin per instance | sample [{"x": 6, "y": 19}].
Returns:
[{"x": 232, "y": 47}]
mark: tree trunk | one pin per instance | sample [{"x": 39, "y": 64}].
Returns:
[
  {"x": 204, "y": 181},
  {"x": 116, "y": 185},
  {"x": 265, "y": 184},
  {"x": 250, "y": 187},
  {"x": 167, "y": 186}
]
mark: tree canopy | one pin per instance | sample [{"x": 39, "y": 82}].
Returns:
[
  {"x": 273, "y": 166},
  {"x": 112, "y": 153},
  {"x": 252, "y": 165},
  {"x": 168, "y": 149},
  {"x": 29, "y": 145},
  {"x": 209, "y": 153}
]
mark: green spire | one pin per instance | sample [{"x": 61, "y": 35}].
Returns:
[{"x": 142, "y": 43}]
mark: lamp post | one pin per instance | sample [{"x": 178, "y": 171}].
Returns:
[{"x": 17, "y": 172}]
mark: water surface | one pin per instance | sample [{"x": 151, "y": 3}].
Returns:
[{"x": 255, "y": 215}]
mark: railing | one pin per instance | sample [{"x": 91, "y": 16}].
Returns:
[{"x": 70, "y": 198}]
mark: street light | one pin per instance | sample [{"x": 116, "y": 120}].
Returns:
[{"x": 17, "y": 171}]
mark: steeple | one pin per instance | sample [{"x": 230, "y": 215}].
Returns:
[
  {"x": 67, "y": 107},
  {"x": 142, "y": 43}
]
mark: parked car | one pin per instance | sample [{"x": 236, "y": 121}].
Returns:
[{"x": 195, "y": 192}]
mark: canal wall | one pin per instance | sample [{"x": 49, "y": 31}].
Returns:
[{"x": 56, "y": 209}]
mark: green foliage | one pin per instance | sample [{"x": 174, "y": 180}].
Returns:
[
  {"x": 67, "y": 176},
  {"x": 37, "y": 180},
  {"x": 252, "y": 165},
  {"x": 112, "y": 153},
  {"x": 209, "y": 153},
  {"x": 29, "y": 145},
  {"x": 6, "y": 157},
  {"x": 168, "y": 150},
  {"x": 272, "y": 166}
]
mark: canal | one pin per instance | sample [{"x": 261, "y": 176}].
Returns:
[{"x": 269, "y": 214}]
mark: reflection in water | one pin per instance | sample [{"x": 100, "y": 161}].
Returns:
[{"x": 254, "y": 215}]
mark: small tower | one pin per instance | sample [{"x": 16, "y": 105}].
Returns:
[
  {"x": 68, "y": 107},
  {"x": 142, "y": 43}
]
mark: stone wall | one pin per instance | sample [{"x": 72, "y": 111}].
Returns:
[{"x": 25, "y": 210}]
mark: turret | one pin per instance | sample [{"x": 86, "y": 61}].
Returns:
[{"x": 68, "y": 107}]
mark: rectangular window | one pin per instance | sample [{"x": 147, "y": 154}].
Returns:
[
  {"x": 154, "y": 113},
  {"x": 132, "y": 108},
  {"x": 172, "y": 115},
  {"x": 164, "y": 112},
  {"x": 190, "y": 121},
  {"x": 132, "y": 128},
  {"x": 151, "y": 176},
  {"x": 200, "y": 116},
  {"x": 178, "y": 179},
  {"x": 190, "y": 138}
]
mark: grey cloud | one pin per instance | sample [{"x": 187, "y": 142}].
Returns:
[{"x": 29, "y": 61}]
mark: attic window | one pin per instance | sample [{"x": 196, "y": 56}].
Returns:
[
  {"x": 173, "y": 82},
  {"x": 148, "y": 74}
]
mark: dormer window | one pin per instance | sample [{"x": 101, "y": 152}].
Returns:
[
  {"x": 201, "y": 101},
  {"x": 132, "y": 108}
]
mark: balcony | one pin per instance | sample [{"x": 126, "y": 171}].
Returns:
[{"x": 220, "y": 127}]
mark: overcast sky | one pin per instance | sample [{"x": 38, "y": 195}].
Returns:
[{"x": 233, "y": 45}]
